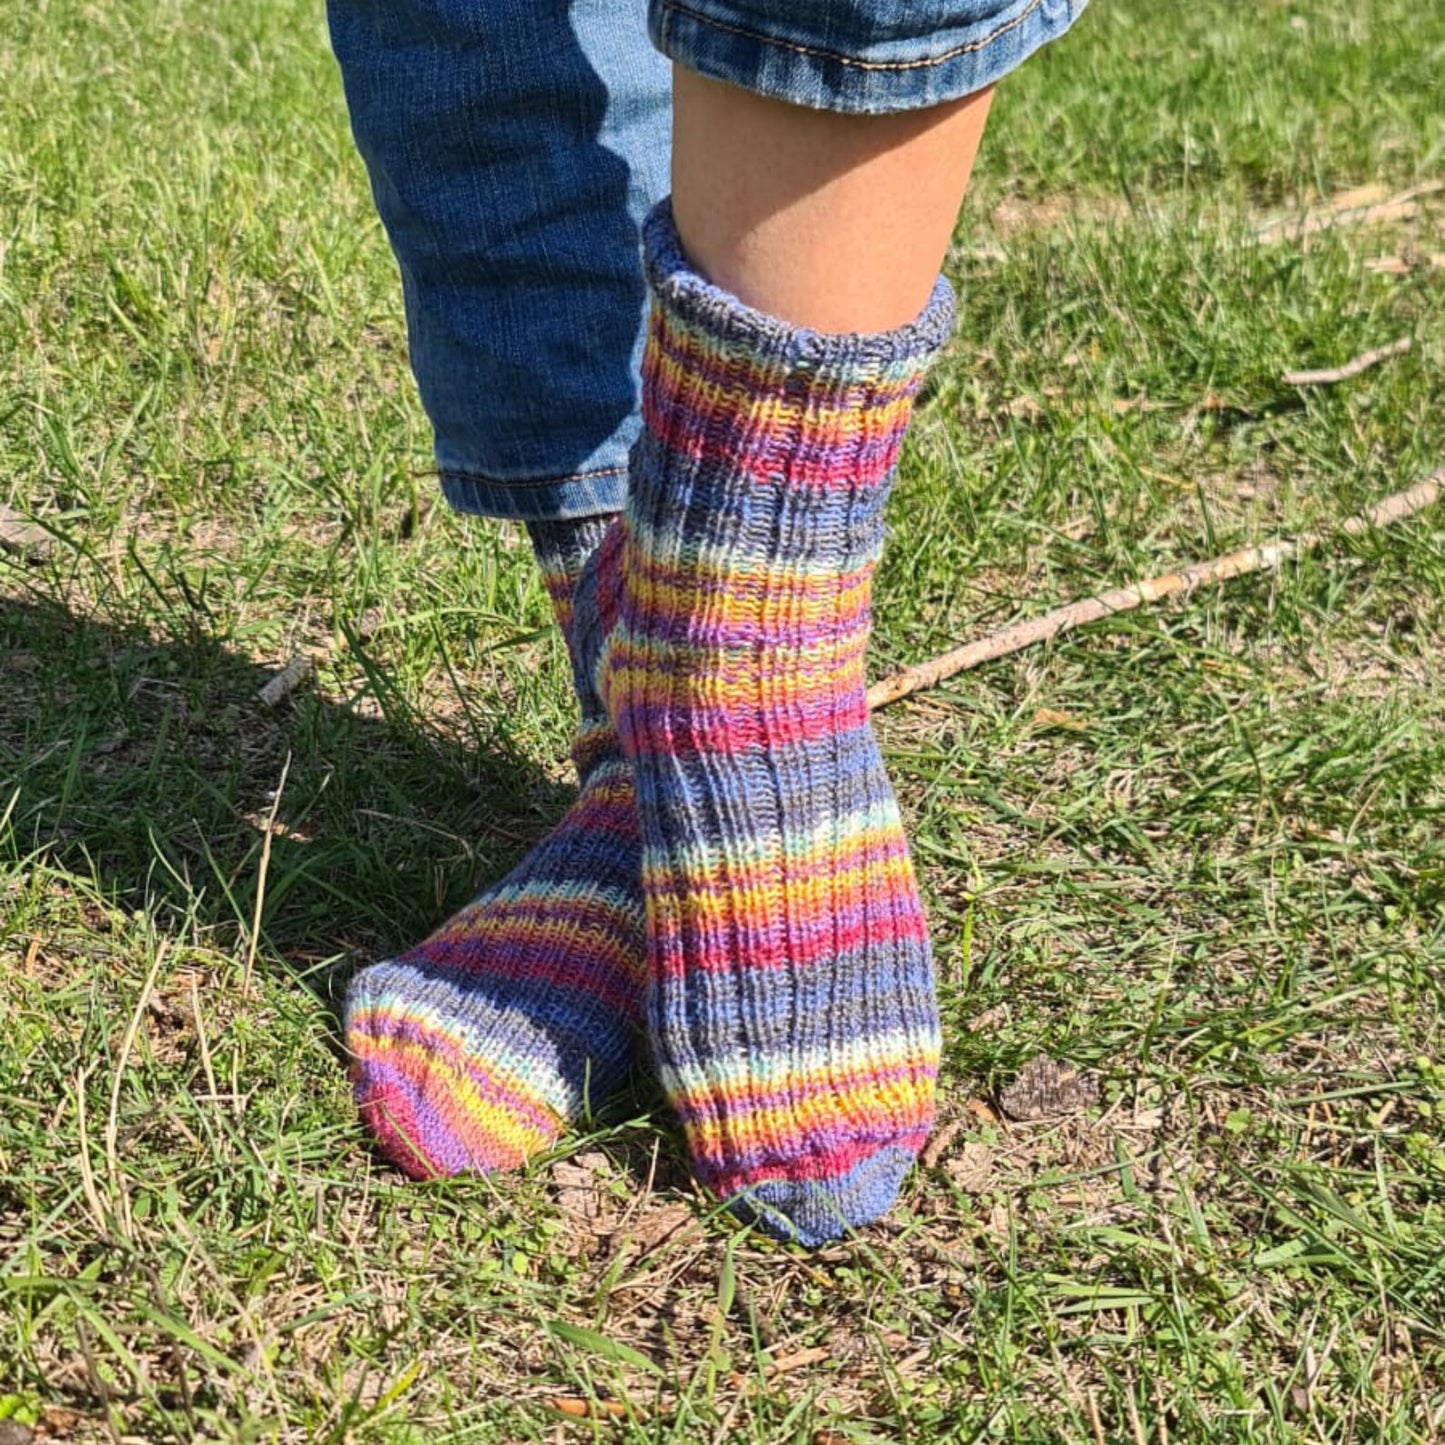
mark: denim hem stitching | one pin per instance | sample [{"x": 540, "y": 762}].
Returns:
[
  {"x": 513, "y": 484},
  {"x": 969, "y": 48}
]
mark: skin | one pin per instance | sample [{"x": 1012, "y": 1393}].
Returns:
[{"x": 833, "y": 222}]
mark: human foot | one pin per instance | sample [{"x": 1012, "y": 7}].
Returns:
[
  {"x": 791, "y": 1005},
  {"x": 474, "y": 1049}
]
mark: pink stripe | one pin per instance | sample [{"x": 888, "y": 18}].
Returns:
[{"x": 818, "y": 1166}]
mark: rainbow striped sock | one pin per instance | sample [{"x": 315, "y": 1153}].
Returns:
[
  {"x": 791, "y": 1002},
  {"x": 475, "y": 1048}
]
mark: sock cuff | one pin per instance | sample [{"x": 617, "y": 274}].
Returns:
[
  {"x": 842, "y": 359},
  {"x": 763, "y": 439}
]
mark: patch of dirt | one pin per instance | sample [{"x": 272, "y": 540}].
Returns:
[{"x": 1015, "y": 215}]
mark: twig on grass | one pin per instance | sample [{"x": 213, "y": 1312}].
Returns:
[
  {"x": 87, "y": 1170},
  {"x": 937, "y": 1146},
  {"x": 1403, "y": 265},
  {"x": 1136, "y": 1425},
  {"x": 293, "y": 675},
  {"x": 797, "y": 1360},
  {"x": 1399, "y": 207},
  {"x": 206, "y": 1065},
  {"x": 120, "y": 1199},
  {"x": 577, "y": 1408},
  {"x": 1019, "y": 635},
  {"x": 1363, "y": 362},
  {"x": 270, "y": 833}
]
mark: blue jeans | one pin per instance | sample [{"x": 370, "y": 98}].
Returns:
[{"x": 514, "y": 147}]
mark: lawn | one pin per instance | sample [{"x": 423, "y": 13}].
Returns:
[{"x": 1194, "y": 853}]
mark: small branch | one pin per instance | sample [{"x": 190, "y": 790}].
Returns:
[
  {"x": 120, "y": 1200},
  {"x": 937, "y": 1146},
  {"x": 1136, "y": 1425},
  {"x": 1403, "y": 265},
  {"x": 1399, "y": 207},
  {"x": 296, "y": 672},
  {"x": 1019, "y": 635},
  {"x": 270, "y": 833},
  {"x": 580, "y": 1409},
  {"x": 1363, "y": 362},
  {"x": 87, "y": 1170}
]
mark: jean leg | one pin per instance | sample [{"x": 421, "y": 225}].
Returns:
[
  {"x": 858, "y": 57},
  {"x": 514, "y": 147}
]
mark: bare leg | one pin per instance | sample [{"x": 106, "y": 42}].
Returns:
[{"x": 834, "y": 222}]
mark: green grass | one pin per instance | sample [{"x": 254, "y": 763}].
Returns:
[{"x": 1198, "y": 851}]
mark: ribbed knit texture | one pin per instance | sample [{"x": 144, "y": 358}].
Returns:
[
  {"x": 475, "y": 1048},
  {"x": 791, "y": 1005}
]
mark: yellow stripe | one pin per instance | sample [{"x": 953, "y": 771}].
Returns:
[
  {"x": 838, "y": 1112},
  {"x": 466, "y": 1113},
  {"x": 716, "y": 896}
]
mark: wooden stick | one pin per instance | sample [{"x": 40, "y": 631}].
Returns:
[
  {"x": 260, "y": 908},
  {"x": 1399, "y": 207},
  {"x": 296, "y": 673},
  {"x": 1363, "y": 362},
  {"x": 1370, "y": 205},
  {"x": 1403, "y": 265},
  {"x": 119, "y": 1198},
  {"x": 1019, "y": 635},
  {"x": 580, "y": 1409}
]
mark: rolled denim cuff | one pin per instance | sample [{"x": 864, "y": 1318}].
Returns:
[
  {"x": 859, "y": 57},
  {"x": 586, "y": 494}
]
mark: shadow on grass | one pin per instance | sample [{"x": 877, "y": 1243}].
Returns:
[{"x": 149, "y": 763}]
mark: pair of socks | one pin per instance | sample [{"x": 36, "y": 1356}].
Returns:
[{"x": 732, "y": 889}]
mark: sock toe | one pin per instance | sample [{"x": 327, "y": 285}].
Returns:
[
  {"x": 388, "y": 1105},
  {"x": 449, "y": 1079},
  {"x": 811, "y": 1212}
]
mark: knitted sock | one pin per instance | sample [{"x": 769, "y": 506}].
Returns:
[
  {"x": 791, "y": 1003},
  {"x": 473, "y": 1049}
]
